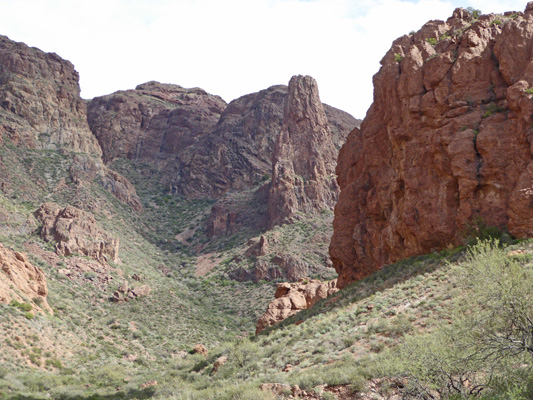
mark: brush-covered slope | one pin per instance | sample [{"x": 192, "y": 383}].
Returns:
[{"x": 444, "y": 146}]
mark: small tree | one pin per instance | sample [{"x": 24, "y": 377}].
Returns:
[{"x": 475, "y": 13}]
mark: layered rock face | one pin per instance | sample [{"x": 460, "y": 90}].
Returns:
[
  {"x": 291, "y": 298},
  {"x": 296, "y": 144},
  {"x": 75, "y": 231},
  {"x": 40, "y": 104},
  {"x": 19, "y": 277},
  {"x": 446, "y": 141},
  {"x": 303, "y": 162}
]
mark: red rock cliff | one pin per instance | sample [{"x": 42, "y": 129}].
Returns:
[
  {"x": 303, "y": 161},
  {"x": 203, "y": 146},
  {"x": 40, "y": 103},
  {"x": 447, "y": 139}
]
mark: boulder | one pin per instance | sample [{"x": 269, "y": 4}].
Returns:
[
  {"x": 22, "y": 281},
  {"x": 220, "y": 361},
  {"x": 75, "y": 231},
  {"x": 290, "y": 298},
  {"x": 200, "y": 349}
]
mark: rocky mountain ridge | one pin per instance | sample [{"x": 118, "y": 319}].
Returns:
[
  {"x": 205, "y": 147},
  {"x": 445, "y": 147}
]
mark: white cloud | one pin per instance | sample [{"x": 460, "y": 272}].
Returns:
[{"x": 230, "y": 47}]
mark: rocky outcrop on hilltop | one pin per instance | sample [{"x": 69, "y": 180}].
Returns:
[
  {"x": 75, "y": 231},
  {"x": 303, "y": 162},
  {"x": 40, "y": 103},
  {"x": 302, "y": 187},
  {"x": 21, "y": 281},
  {"x": 291, "y": 298},
  {"x": 238, "y": 154},
  {"x": 238, "y": 151},
  {"x": 153, "y": 122},
  {"x": 446, "y": 142},
  {"x": 203, "y": 146},
  {"x": 301, "y": 138}
]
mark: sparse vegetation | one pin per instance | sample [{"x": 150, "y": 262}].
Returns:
[
  {"x": 491, "y": 109},
  {"x": 475, "y": 13}
]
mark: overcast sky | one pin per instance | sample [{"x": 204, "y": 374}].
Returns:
[{"x": 227, "y": 47}]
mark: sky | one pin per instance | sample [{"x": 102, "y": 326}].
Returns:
[{"x": 227, "y": 47}]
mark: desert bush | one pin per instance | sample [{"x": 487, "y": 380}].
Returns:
[
  {"x": 501, "y": 297},
  {"x": 491, "y": 335}
]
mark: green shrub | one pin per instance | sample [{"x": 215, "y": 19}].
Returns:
[
  {"x": 38, "y": 301},
  {"x": 54, "y": 362},
  {"x": 491, "y": 109},
  {"x": 432, "y": 41},
  {"x": 21, "y": 306},
  {"x": 475, "y": 13}
]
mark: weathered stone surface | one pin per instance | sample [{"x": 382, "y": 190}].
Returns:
[
  {"x": 75, "y": 231},
  {"x": 124, "y": 293},
  {"x": 154, "y": 121},
  {"x": 40, "y": 103},
  {"x": 303, "y": 161},
  {"x": 19, "y": 277},
  {"x": 446, "y": 141},
  {"x": 204, "y": 147},
  {"x": 237, "y": 153},
  {"x": 200, "y": 349},
  {"x": 294, "y": 297},
  {"x": 41, "y": 108},
  {"x": 219, "y": 362},
  {"x": 238, "y": 210}
]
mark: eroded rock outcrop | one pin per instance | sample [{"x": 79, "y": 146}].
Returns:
[
  {"x": 75, "y": 231},
  {"x": 294, "y": 297},
  {"x": 203, "y": 146},
  {"x": 303, "y": 162},
  {"x": 40, "y": 103},
  {"x": 155, "y": 121},
  {"x": 446, "y": 141},
  {"x": 19, "y": 277},
  {"x": 124, "y": 293},
  {"x": 297, "y": 141}
]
